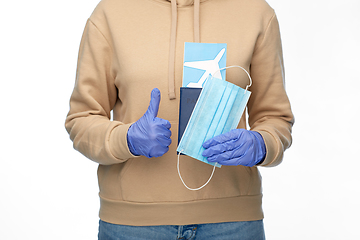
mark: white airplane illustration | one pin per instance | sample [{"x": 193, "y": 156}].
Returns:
[{"x": 210, "y": 67}]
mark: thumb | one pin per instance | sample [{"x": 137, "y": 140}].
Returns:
[{"x": 154, "y": 103}]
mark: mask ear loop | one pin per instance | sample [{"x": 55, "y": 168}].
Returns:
[
  {"x": 236, "y": 66},
  {"x": 182, "y": 180}
]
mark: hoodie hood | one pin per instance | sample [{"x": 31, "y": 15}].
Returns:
[{"x": 184, "y": 3}]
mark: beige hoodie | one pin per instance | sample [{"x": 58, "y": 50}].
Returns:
[{"x": 130, "y": 47}]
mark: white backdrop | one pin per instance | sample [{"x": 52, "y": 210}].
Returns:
[{"x": 49, "y": 191}]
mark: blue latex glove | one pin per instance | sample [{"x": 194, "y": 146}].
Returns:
[
  {"x": 237, "y": 147},
  {"x": 150, "y": 136}
]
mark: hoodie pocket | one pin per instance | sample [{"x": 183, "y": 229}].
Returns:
[{"x": 232, "y": 181}]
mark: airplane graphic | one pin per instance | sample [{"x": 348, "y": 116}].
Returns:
[{"x": 210, "y": 66}]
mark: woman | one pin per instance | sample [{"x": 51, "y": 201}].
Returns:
[{"x": 131, "y": 47}]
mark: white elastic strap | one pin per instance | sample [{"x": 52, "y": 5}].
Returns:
[
  {"x": 192, "y": 189},
  {"x": 247, "y": 86}
]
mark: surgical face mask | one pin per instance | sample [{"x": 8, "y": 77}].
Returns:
[{"x": 218, "y": 110}]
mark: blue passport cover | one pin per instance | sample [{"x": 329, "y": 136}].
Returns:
[{"x": 188, "y": 99}]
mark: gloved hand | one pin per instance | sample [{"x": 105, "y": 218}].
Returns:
[
  {"x": 237, "y": 147},
  {"x": 150, "y": 136}
]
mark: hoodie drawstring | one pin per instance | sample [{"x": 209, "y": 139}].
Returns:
[
  {"x": 197, "y": 21},
  {"x": 171, "y": 76},
  {"x": 172, "y": 50}
]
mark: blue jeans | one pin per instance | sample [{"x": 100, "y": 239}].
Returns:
[{"x": 252, "y": 230}]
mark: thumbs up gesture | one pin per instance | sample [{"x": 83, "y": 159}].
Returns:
[{"x": 150, "y": 136}]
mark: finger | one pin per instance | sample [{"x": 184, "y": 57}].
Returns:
[
  {"x": 228, "y": 146},
  {"x": 153, "y": 108},
  {"x": 240, "y": 156},
  {"x": 158, "y": 151},
  {"x": 243, "y": 160},
  {"x": 222, "y": 138},
  {"x": 224, "y": 157},
  {"x": 162, "y": 130},
  {"x": 164, "y": 140},
  {"x": 163, "y": 122}
]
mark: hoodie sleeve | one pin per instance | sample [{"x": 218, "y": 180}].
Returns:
[
  {"x": 94, "y": 95},
  {"x": 269, "y": 107}
]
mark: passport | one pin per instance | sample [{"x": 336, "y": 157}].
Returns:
[{"x": 188, "y": 99}]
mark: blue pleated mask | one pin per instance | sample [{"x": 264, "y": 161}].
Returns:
[{"x": 218, "y": 110}]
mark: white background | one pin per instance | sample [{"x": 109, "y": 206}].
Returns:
[{"x": 49, "y": 191}]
